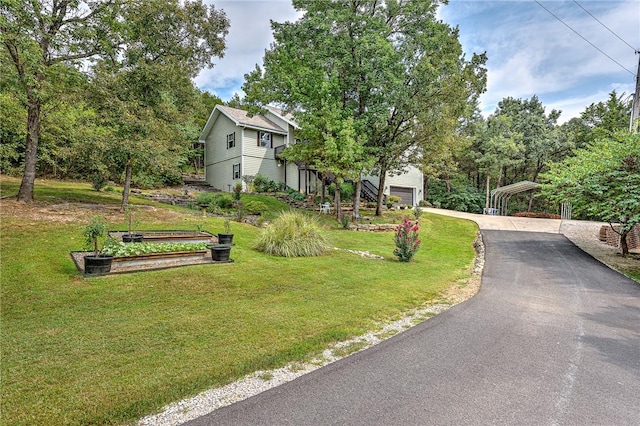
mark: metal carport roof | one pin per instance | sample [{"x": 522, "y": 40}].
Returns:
[{"x": 500, "y": 196}]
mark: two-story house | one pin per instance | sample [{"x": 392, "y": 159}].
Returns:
[{"x": 236, "y": 145}]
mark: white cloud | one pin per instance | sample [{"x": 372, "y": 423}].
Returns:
[
  {"x": 249, "y": 35},
  {"x": 529, "y": 51}
]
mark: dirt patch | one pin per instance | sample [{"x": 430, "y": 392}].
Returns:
[{"x": 77, "y": 212}]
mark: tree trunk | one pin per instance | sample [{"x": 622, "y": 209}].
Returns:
[
  {"x": 486, "y": 198},
  {"x": 127, "y": 185},
  {"x": 337, "y": 201},
  {"x": 25, "y": 194},
  {"x": 535, "y": 177},
  {"x": 531, "y": 200},
  {"x": 383, "y": 174},
  {"x": 623, "y": 243},
  {"x": 425, "y": 188},
  {"x": 356, "y": 198}
]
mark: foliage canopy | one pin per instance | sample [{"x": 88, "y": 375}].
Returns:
[{"x": 602, "y": 181}]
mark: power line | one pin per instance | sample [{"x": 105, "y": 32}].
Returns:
[
  {"x": 610, "y": 30},
  {"x": 582, "y": 37}
]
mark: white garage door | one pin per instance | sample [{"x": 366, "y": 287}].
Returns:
[{"x": 406, "y": 194}]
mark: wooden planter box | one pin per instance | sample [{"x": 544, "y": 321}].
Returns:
[
  {"x": 170, "y": 236},
  {"x": 159, "y": 260},
  {"x": 148, "y": 262}
]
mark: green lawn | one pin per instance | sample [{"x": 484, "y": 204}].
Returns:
[{"x": 112, "y": 349}]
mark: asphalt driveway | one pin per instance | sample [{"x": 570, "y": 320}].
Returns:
[{"x": 552, "y": 338}]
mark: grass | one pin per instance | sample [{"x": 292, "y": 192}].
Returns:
[
  {"x": 633, "y": 274},
  {"x": 110, "y": 350},
  {"x": 350, "y": 348}
]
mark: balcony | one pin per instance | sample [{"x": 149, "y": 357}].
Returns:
[{"x": 277, "y": 151}]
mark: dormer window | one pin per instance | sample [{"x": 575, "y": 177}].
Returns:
[{"x": 264, "y": 139}]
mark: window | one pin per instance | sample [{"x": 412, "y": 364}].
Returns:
[
  {"x": 264, "y": 139},
  {"x": 231, "y": 140},
  {"x": 236, "y": 171}
]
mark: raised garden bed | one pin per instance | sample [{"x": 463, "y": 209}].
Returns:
[
  {"x": 170, "y": 236},
  {"x": 168, "y": 251},
  {"x": 149, "y": 262}
]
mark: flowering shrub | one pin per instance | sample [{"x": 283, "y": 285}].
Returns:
[{"x": 407, "y": 240}]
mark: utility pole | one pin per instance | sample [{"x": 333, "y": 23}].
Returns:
[{"x": 635, "y": 107}]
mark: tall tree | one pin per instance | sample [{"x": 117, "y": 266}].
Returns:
[
  {"x": 605, "y": 118},
  {"x": 538, "y": 132},
  {"x": 392, "y": 67},
  {"x": 42, "y": 36},
  {"x": 501, "y": 147},
  {"x": 332, "y": 145},
  {"x": 601, "y": 181}
]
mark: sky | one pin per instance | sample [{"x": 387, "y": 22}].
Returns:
[{"x": 530, "y": 52}]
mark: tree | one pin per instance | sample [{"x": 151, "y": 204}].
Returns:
[
  {"x": 331, "y": 144},
  {"x": 40, "y": 37},
  {"x": 148, "y": 96},
  {"x": 538, "y": 132},
  {"x": 604, "y": 119},
  {"x": 390, "y": 66},
  {"x": 501, "y": 147},
  {"x": 43, "y": 37},
  {"x": 601, "y": 181}
]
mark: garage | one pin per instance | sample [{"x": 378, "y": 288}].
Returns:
[{"x": 406, "y": 194}]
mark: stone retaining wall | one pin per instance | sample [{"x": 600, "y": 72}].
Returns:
[
  {"x": 372, "y": 227},
  {"x": 608, "y": 236}
]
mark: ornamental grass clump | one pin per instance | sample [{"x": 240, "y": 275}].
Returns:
[
  {"x": 292, "y": 234},
  {"x": 407, "y": 240}
]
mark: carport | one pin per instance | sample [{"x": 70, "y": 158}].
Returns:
[{"x": 500, "y": 196}]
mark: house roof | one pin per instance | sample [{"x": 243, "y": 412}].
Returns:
[
  {"x": 257, "y": 121},
  {"x": 240, "y": 118},
  {"x": 288, "y": 117}
]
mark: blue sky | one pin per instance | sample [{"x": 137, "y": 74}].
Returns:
[{"x": 530, "y": 52}]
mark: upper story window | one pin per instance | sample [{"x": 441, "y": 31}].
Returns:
[
  {"x": 231, "y": 140},
  {"x": 264, "y": 139}
]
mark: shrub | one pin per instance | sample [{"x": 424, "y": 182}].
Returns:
[
  {"x": 240, "y": 211},
  {"x": 345, "y": 220},
  {"x": 255, "y": 207},
  {"x": 261, "y": 183},
  {"x": 407, "y": 240},
  {"x": 296, "y": 195},
  {"x": 394, "y": 199},
  {"x": 95, "y": 230},
  {"x": 538, "y": 215},
  {"x": 417, "y": 212},
  {"x": 237, "y": 191},
  {"x": 346, "y": 191},
  {"x": 248, "y": 180},
  {"x": 292, "y": 234},
  {"x": 99, "y": 181},
  {"x": 214, "y": 201},
  {"x": 461, "y": 198},
  {"x": 225, "y": 201}
]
